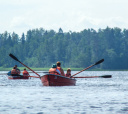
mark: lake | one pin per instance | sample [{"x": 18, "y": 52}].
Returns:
[{"x": 89, "y": 96}]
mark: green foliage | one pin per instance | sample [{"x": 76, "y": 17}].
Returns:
[{"x": 41, "y": 48}]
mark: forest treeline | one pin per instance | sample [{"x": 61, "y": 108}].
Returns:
[{"x": 42, "y": 48}]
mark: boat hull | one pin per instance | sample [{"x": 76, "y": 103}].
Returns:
[
  {"x": 57, "y": 80},
  {"x": 18, "y": 77}
]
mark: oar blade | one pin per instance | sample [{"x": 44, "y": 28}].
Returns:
[
  {"x": 106, "y": 76},
  {"x": 12, "y": 56},
  {"x": 100, "y": 61},
  {"x": 33, "y": 76}
]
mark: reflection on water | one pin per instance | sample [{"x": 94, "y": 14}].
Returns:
[{"x": 91, "y": 95}]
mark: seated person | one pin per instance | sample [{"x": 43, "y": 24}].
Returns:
[
  {"x": 59, "y": 68},
  {"x": 54, "y": 70},
  {"x": 25, "y": 72},
  {"x": 68, "y": 74},
  {"x": 14, "y": 71},
  {"x": 18, "y": 70}
]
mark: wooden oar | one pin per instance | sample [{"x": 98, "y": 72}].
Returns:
[
  {"x": 33, "y": 76},
  {"x": 100, "y": 61},
  {"x": 12, "y": 56},
  {"x": 104, "y": 76}
]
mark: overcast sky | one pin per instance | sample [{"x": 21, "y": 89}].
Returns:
[{"x": 75, "y": 15}]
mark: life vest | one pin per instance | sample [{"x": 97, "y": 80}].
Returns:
[
  {"x": 13, "y": 71},
  {"x": 25, "y": 73},
  {"x": 67, "y": 75},
  {"x": 62, "y": 73},
  {"x": 53, "y": 71}
]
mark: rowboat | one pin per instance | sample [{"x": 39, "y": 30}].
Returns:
[
  {"x": 17, "y": 77},
  {"x": 57, "y": 80}
]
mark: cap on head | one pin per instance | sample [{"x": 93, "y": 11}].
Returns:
[{"x": 54, "y": 66}]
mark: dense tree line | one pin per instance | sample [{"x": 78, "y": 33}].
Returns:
[{"x": 42, "y": 48}]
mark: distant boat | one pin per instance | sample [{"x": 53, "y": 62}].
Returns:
[
  {"x": 57, "y": 80},
  {"x": 18, "y": 77}
]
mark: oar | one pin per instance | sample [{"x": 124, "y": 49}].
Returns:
[
  {"x": 104, "y": 76},
  {"x": 12, "y": 56},
  {"x": 33, "y": 76},
  {"x": 46, "y": 72},
  {"x": 100, "y": 61}
]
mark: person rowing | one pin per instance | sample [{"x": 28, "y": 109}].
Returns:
[
  {"x": 14, "y": 71},
  {"x": 54, "y": 70},
  {"x": 59, "y": 68},
  {"x": 17, "y": 69}
]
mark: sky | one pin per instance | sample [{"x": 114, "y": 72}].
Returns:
[{"x": 19, "y": 16}]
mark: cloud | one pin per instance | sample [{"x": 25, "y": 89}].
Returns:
[
  {"x": 18, "y": 22},
  {"x": 22, "y": 15},
  {"x": 19, "y": 25},
  {"x": 114, "y": 22}
]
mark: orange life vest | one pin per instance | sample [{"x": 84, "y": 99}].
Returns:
[
  {"x": 13, "y": 71},
  {"x": 53, "y": 71},
  {"x": 25, "y": 73}
]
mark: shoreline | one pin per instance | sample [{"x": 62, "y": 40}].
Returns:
[{"x": 73, "y": 69}]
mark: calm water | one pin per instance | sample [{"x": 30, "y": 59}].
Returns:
[{"x": 89, "y": 96}]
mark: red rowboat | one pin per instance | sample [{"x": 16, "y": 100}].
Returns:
[
  {"x": 57, "y": 80},
  {"x": 18, "y": 77}
]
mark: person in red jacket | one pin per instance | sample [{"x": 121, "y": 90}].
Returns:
[{"x": 25, "y": 72}]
